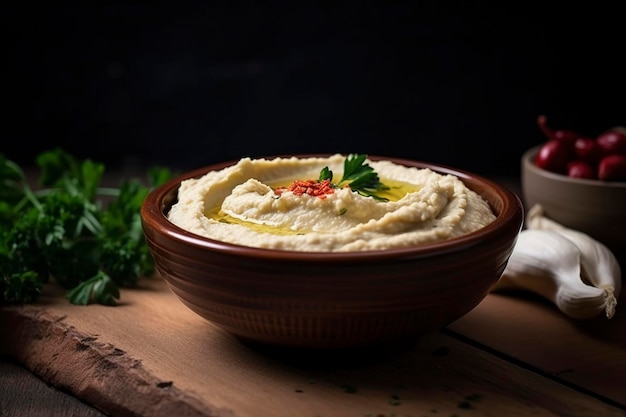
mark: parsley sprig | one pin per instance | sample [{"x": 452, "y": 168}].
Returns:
[
  {"x": 359, "y": 176},
  {"x": 85, "y": 237}
]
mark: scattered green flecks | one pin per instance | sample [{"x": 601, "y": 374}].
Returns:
[
  {"x": 468, "y": 402},
  {"x": 349, "y": 388},
  {"x": 395, "y": 400}
]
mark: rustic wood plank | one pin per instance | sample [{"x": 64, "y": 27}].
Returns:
[
  {"x": 153, "y": 357},
  {"x": 589, "y": 354}
]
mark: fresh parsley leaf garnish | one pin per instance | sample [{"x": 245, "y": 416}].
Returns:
[
  {"x": 359, "y": 176},
  {"x": 325, "y": 174},
  {"x": 86, "y": 238}
]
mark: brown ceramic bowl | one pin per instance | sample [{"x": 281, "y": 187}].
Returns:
[
  {"x": 332, "y": 300},
  {"x": 595, "y": 207}
]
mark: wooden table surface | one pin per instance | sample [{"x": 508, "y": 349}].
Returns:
[
  {"x": 513, "y": 355},
  {"x": 151, "y": 356}
]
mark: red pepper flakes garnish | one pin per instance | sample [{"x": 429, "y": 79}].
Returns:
[{"x": 311, "y": 187}]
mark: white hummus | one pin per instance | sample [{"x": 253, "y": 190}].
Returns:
[{"x": 240, "y": 204}]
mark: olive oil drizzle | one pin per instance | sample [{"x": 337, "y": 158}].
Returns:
[{"x": 394, "y": 191}]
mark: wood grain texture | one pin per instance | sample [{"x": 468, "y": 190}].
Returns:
[
  {"x": 588, "y": 354},
  {"x": 151, "y": 356}
]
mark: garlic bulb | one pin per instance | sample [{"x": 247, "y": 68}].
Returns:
[
  {"x": 599, "y": 265},
  {"x": 580, "y": 275}
]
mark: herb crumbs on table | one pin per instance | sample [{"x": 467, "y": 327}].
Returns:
[
  {"x": 349, "y": 388},
  {"x": 395, "y": 400},
  {"x": 467, "y": 402}
]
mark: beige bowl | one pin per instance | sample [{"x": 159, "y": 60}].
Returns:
[
  {"x": 332, "y": 300},
  {"x": 595, "y": 207}
]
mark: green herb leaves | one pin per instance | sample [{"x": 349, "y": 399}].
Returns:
[
  {"x": 86, "y": 238},
  {"x": 100, "y": 289},
  {"x": 359, "y": 176}
]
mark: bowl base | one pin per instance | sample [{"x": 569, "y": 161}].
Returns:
[{"x": 325, "y": 355}]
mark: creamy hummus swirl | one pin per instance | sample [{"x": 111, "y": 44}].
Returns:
[{"x": 240, "y": 205}]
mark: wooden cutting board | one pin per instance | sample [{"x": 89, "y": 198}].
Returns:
[{"x": 151, "y": 356}]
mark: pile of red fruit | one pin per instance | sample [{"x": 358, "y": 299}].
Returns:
[{"x": 568, "y": 153}]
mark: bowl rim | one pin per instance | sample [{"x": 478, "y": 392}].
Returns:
[
  {"x": 528, "y": 164},
  {"x": 153, "y": 211}
]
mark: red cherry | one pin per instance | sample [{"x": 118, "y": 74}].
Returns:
[
  {"x": 612, "y": 168},
  {"x": 568, "y": 136},
  {"x": 553, "y": 156},
  {"x": 587, "y": 149},
  {"x": 611, "y": 142},
  {"x": 581, "y": 169}
]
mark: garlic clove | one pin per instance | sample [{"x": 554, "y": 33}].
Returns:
[{"x": 549, "y": 264}]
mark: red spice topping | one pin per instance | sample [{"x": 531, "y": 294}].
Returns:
[{"x": 311, "y": 187}]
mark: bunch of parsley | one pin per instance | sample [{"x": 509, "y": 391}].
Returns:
[{"x": 71, "y": 230}]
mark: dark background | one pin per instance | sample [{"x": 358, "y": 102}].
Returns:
[{"x": 187, "y": 84}]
